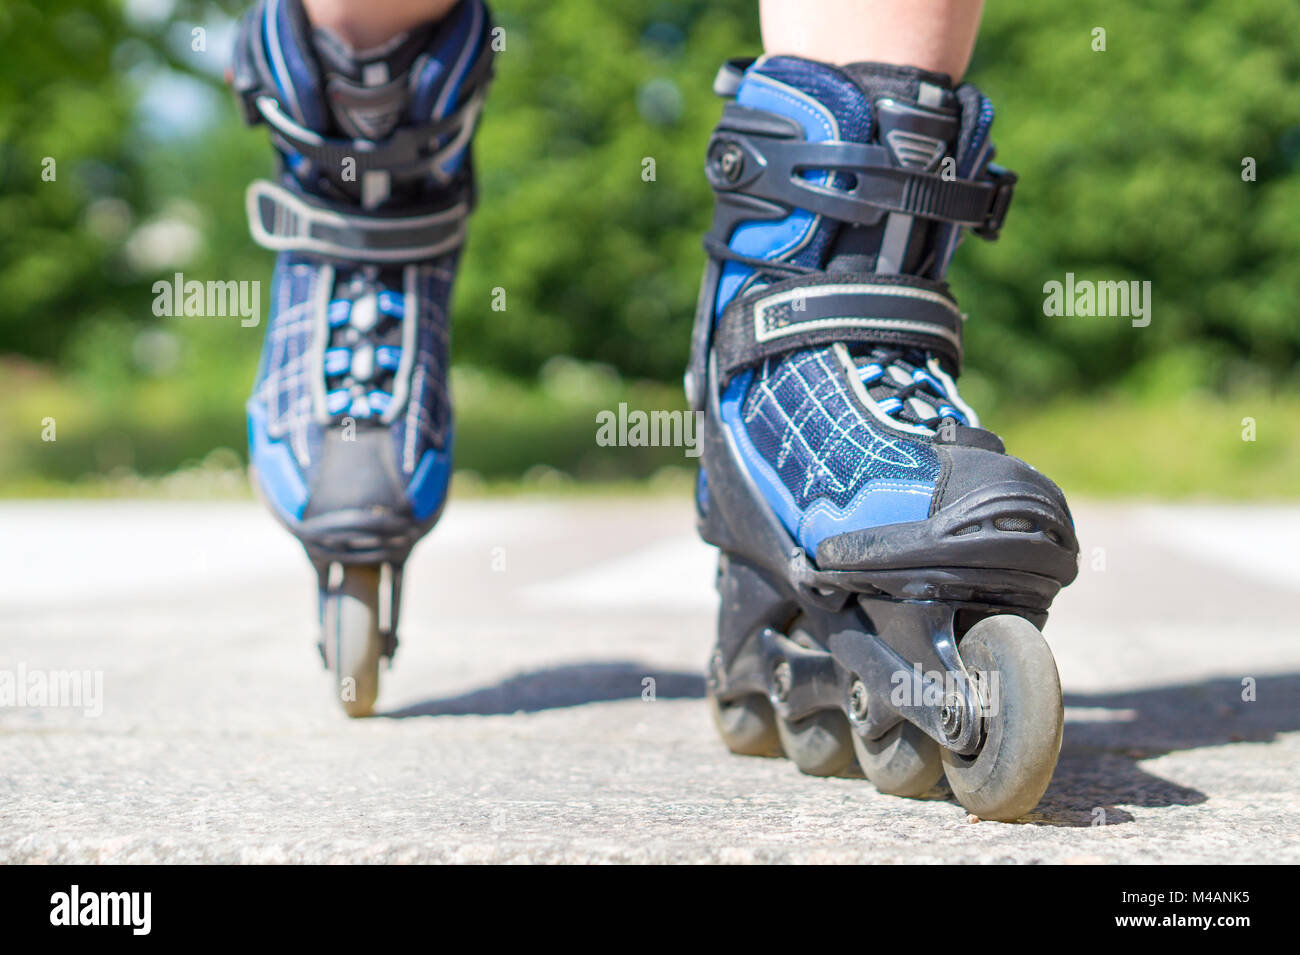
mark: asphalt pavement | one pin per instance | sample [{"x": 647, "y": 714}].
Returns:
[{"x": 547, "y": 701}]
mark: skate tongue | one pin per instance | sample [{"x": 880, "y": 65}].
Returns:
[
  {"x": 904, "y": 83},
  {"x": 367, "y": 90},
  {"x": 915, "y": 116}
]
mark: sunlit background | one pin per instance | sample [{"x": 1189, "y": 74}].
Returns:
[{"x": 1131, "y": 162}]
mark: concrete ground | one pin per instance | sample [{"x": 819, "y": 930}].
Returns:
[{"x": 518, "y": 726}]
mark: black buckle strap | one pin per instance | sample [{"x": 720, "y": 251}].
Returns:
[
  {"x": 1004, "y": 182},
  {"x": 407, "y": 151},
  {"x": 760, "y": 156},
  {"x": 828, "y": 308}
]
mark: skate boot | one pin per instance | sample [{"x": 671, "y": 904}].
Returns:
[
  {"x": 884, "y": 565},
  {"x": 349, "y": 423}
]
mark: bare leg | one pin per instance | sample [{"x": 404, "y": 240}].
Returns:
[
  {"x": 363, "y": 24},
  {"x": 936, "y": 35}
]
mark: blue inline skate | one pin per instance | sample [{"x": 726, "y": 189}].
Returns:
[
  {"x": 350, "y": 426},
  {"x": 884, "y": 565}
]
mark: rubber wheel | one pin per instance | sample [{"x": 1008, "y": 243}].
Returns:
[
  {"x": 350, "y": 636},
  {"x": 820, "y": 744},
  {"x": 902, "y": 762},
  {"x": 1022, "y": 739},
  {"x": 746, "y": 725}
]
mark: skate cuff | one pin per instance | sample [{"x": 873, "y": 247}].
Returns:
[
  {"x": 285, "y": 221},
  {"x": 758, "y": 155},
  {"x": 409, "y": 152},
  {"x": 855, "y": 307}
]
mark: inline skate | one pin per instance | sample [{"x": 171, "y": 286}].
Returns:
[
  {"x": 884, "y": 565},
  {"x": 349, "y": 423}
]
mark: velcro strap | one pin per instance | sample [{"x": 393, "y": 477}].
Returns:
[
  {"x": 284, "y": 221},
  {"x": 815, "y": 311}
]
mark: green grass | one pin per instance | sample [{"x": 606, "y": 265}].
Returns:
[
  {"x": 1191, "y": 447},
  {"x": 151, "y": 438}
]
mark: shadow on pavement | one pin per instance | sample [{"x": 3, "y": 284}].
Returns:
[
  {"x": 1100, "y": 769},
  {"x": 559, "y": 687},
  {"x": 1107, "y": 736}
]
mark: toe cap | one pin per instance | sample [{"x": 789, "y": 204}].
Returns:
[{"x": 989, "y": 510}]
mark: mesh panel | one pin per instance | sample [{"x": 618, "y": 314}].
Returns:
[
  {"x": 283, "y": 384},
  {"x": 804, "y": 422},
  {"x": 1022, "y": 524},
  {"x": 427, "y": 418}
]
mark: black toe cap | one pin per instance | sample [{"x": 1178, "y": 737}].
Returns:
[{"x": 989, "y": 511}]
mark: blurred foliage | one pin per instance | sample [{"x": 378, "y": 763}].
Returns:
[
  {"x": 1130, "y": 162},
  {"x": 65, "y": 152}
]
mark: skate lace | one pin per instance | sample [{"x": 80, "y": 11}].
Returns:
[
  {"x": 898, "y": 380},
  {"x": 903, "y": 386},
  {"x": 363, "y": 350}
]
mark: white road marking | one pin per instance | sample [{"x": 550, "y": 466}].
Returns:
[
  {"x": 673, "y": 575},
  {"x": 1254, "y": 542}
]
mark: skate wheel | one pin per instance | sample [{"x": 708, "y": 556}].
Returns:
[
  {"x": 820, "y": 744},
  {"x": 902, "y": 762},
  {"x": 1023, "y": 722},
  {"x": 746, "y": 725},
  {"x": 350, "y": 638}
]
